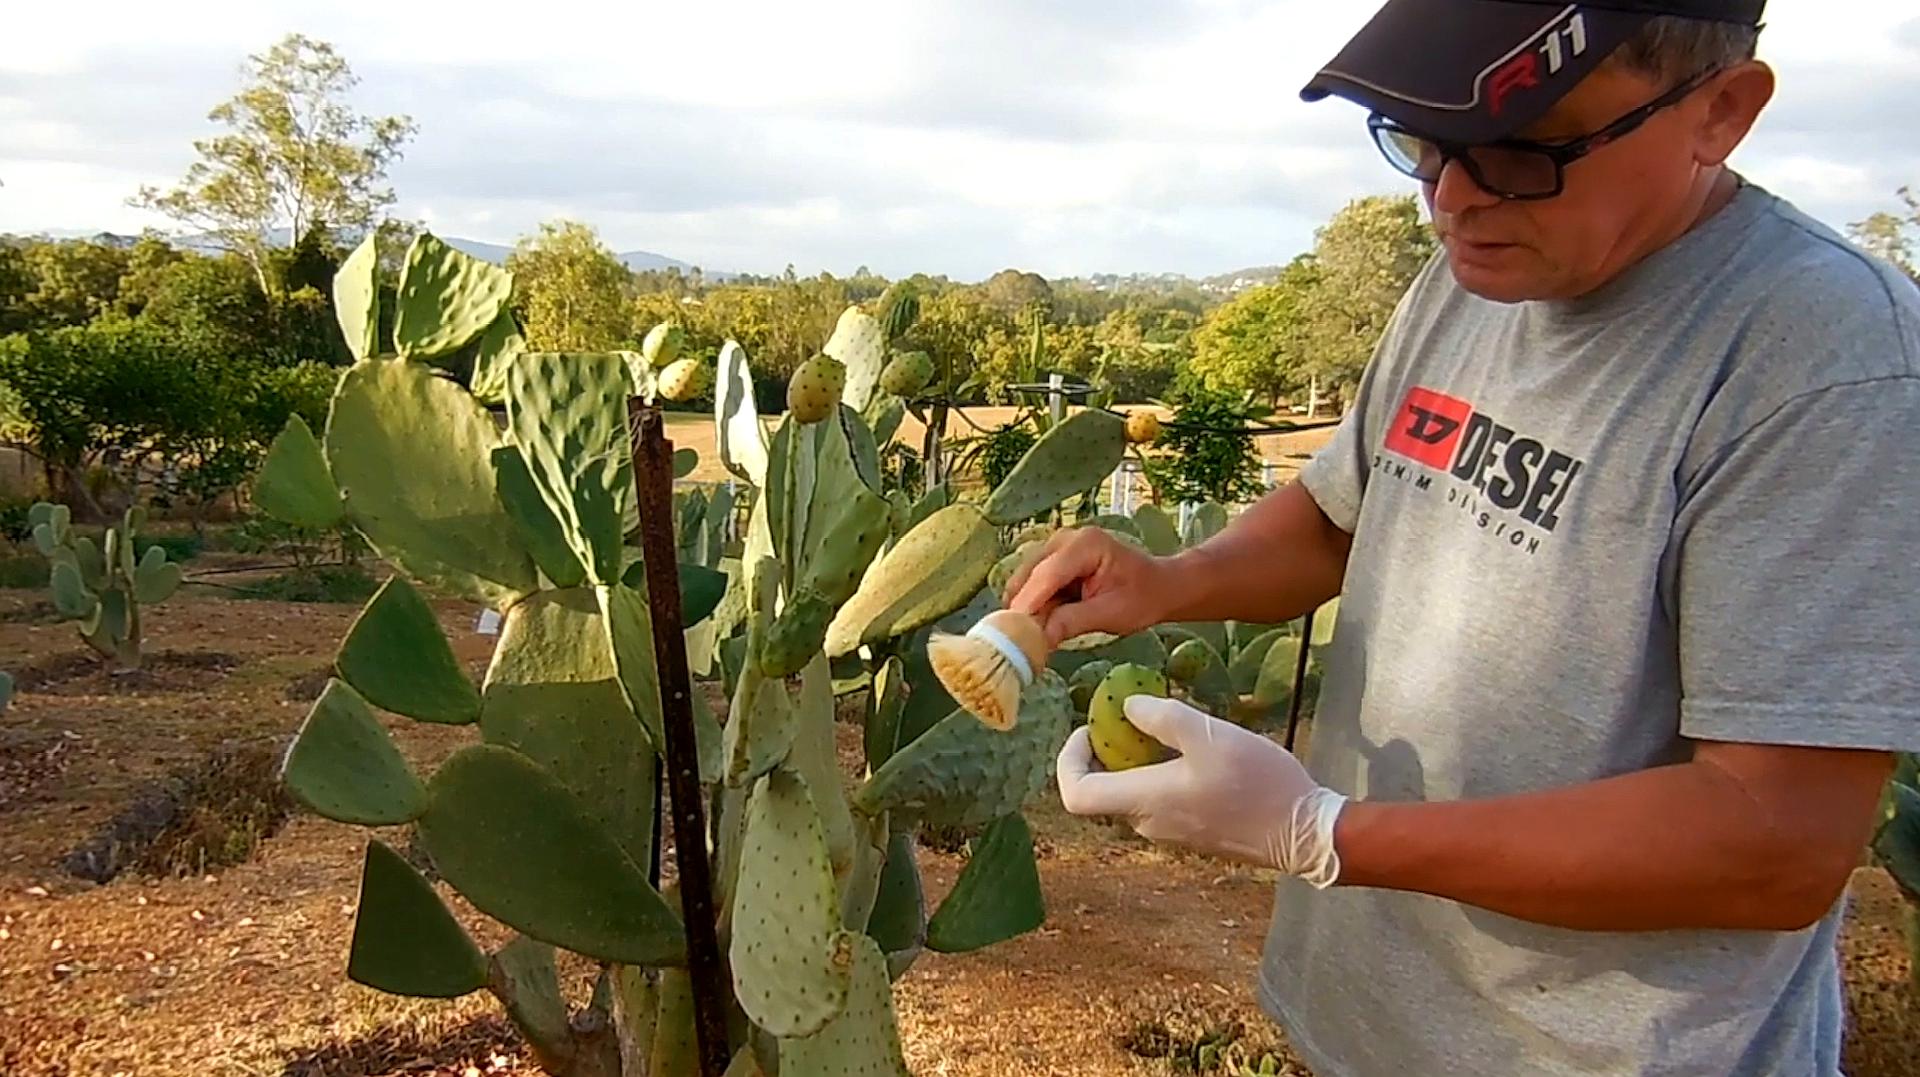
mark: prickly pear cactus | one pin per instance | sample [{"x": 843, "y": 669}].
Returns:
[
  {"x": 102, "y": 586},
  {"x": 546, "y": 821}
]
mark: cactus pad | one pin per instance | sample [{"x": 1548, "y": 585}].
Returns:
[
  {"x": 997, "y": 896},
  {"x": 405, "y": 942},
  {"x": 533, "y": 522},
  {"x": 356, "y": 300},
  {"x": 863, "y": 1040},
  {"x": 1197, "y": 667},
  {"x": 492, "y": 353},
  {"x": 898, "y": 921},
  {"x": 933, "y": 570},
  {"x": 293, "y": 485},
  {"x": 524, "y": 851},
  {"x": 742, "y": 440},
  {"x": 960, "y": 773},
  {"x": 760, "y": 728},
  {"x": 859, "y": 342},
  {"x": 1208, "y": 520},
  {"x": 567, "y": 413},
  {"x": 791, "y": 959},
  {"x": 70, "y": 595},
  {"x": 1068, "y": 459},
  {"x": 525, "y": 977},
  {"x": 398, "y": 658},
  {"x": 446, "y": 298},
  {"x": 343, "y": 765},
  {"x": 551, "y": 695},
  {"x": 629, "y": 628},
  {"x": 1157, "y": 529},
  {"x": 412, "y": 455}
]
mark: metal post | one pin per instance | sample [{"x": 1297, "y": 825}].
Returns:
[{"x": 653, "y": 483}]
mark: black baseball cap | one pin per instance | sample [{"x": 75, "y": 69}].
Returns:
[{"x": 1479, "y": 70}]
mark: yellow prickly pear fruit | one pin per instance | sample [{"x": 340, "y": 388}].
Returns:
[
  {"x": 663, "y": 345},
  {"x": 683, "y": 379},
  {"x": 815, "y": 388},
  {"x": 1116, "y": 742},
  {"x": 1143, "y": 427}
]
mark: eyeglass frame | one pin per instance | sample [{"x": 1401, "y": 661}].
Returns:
[{"x": 1561, "y": 152}]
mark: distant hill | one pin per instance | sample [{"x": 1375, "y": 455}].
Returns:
[{"x": 638, "y": 261}]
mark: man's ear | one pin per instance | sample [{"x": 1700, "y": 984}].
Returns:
[{"x": 1734, "y": 105}]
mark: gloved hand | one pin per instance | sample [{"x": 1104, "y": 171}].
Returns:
[{"x": 1231, "y": 792}]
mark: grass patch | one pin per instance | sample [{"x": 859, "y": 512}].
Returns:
[
  {"x": 347, "y": 584},
  {"x": 209, "y": 814},
  {"x": 23, "y": 570},
  {"x": 1193, "y": 1034}
]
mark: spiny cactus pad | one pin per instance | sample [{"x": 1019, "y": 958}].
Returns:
[
  {"x": 495, "y": 349},
  {"x": 533, "y": 522},
  {"x": 1068, "y": 459},
  {"x": 863, "y": 1040},
  {"x": 760, "y": 727},
  {"x": 791, "y": 960},
  {"x": 343, "y": 765},
  {"x": 899, "y": 918},
  {"x": 356, "y": 299},
  {"x": 412, "y": 455},
  {"x": 675, "y": 1049},
  {"x": 525, "y": 851},
  {"x": 405, "y": 942},
  {"x": 566, "y": 412},
  {"x": 815, "y": 759},
  {"x": 1157, "y": 529},
  {"x": 398, "y": 658},
  {"x": 960, "y": 773},
  {"x": 997, "y": 896},
  {"x": 293, "y": 485},
  {"x": 1197, "y": 667},
  {"x": 933, "y": 569},
  {"x": 859, "y": 342},
  {"x": 446, "y": 298},
  {"x": 741, "y": 440},
  {"x": 629, "y": 627}
]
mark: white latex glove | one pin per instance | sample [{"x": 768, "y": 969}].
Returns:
[{"x": 1230, "y": 792}]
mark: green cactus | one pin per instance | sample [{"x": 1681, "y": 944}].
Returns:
[
  {"x": 6, "y": 690},
  {"x": 1067, "y": 460},
  {"x": 102, "y": 586},
  {"x": 546, "y": 821}
]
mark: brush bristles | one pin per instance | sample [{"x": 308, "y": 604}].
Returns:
[{"x": 978, "y": 676}]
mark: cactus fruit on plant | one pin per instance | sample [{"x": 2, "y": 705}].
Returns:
[
  {"x": 813, "y": 393},
  {"x": 907, "y": 373},
  {"x": 102, "y": 586},
  {"x": 683, "y": 379},
  {"x": 1116, "y": 742},
  {"x": 662, "y": 345},
  {"x": 1143, "y": 428}
]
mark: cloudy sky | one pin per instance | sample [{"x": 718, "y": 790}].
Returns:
[{"x": 945, "y": 136}]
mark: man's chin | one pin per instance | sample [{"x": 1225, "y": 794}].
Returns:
[{"x": 1500, "y": 275}]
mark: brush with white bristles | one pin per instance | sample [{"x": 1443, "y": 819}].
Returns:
[{"x": 986, "y": 669}]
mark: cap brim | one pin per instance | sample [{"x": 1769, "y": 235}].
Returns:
[{"x": 1471, "y": 70}]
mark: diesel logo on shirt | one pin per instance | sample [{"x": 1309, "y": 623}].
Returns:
[{"x": 1515, "y": 474}]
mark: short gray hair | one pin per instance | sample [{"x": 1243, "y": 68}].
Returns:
[{"x": 1671, "y": 48}]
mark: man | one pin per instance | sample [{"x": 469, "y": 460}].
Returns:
[{"x": 1624, "y": 525}]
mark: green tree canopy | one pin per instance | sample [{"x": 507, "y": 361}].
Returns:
[
  {"x": 572, "y": 291},
  {"x": 1259, "y": 341},
  {"x": 295, "y": 156}
]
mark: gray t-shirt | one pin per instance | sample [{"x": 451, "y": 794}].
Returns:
[{"x": 1585, "y": 534}]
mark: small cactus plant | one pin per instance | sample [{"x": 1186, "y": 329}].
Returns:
[{"x": 103, "y": 586}]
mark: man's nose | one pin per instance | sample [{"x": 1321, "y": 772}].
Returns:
[{"x": 1455, "y": 192}]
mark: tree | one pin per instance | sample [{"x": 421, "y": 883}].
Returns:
[
  {"x": 1258, "y": 341},
  {"x": 295, "y": 157},
  {"x": 1364, "y": 259},
  {"x": 572, "y": 290},
  {"x": 73, "y": 282},
  {"x": 1887, "y": 235}
]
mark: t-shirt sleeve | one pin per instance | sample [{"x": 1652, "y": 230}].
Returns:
[
  {"x": 1336, "y": 476},
  {"x": 1797, "y": 576}
]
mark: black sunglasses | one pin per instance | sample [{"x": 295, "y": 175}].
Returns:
[{"x": 1513, "y": 169}]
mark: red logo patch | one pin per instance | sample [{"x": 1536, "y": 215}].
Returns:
[
  {"x": 1428, "y": 427},
  {"x": 1520, "y": 73}
]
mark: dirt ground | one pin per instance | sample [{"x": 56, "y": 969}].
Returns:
[{"x": 242, "y": 971}]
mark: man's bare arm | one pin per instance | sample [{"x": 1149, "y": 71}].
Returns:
[
  {"x": 1742, "y": 837},
  {"x": 1272, "y": 563}
]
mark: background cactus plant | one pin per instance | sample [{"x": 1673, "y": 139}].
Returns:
[
  {"x": 103, "y": 586},
  {"x": 550, "y": 821}
]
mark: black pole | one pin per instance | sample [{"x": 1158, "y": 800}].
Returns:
[
  {"x": 653, "y": 482},
  {"x": 1299, "y": 678}
]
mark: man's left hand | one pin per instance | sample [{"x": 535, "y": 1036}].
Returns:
[{"x": 1230, "y": 792}]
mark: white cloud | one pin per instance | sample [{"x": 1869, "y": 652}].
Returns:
[{"x": 948, "y": 136}]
